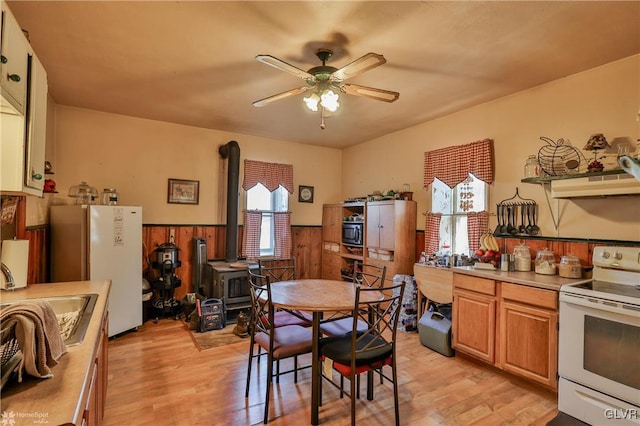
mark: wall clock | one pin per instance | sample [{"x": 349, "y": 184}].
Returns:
[{"x": 305, "y": 194}]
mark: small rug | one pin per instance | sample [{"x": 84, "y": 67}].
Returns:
[
  {"x": 563, "y": 419},
  {"x": 215, "y": 338}
]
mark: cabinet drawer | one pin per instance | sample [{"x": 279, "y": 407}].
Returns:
[
  {"x": 530, "y": 295},
  {"x": 480, "y": 285}
]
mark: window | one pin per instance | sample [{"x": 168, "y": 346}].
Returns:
[
  {"x": 454, "y": 205},
  {"x": 259, "y": 198}
]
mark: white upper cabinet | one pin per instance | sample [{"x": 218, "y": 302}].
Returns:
[
  {"x": 23, "y": 115},
  {"x": 13, "y": 65}
]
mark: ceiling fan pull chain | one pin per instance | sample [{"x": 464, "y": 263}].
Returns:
[{"x": 322, "y": 125}]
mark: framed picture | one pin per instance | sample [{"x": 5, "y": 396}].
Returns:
[
  {"x": 183, "y": 191},
  {"x": 305, "y": 194}
]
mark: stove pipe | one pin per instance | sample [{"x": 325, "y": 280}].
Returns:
[{"x": 232, "y": 151}]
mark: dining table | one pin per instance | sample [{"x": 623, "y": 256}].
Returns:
[{"x": 317, "y": 296}]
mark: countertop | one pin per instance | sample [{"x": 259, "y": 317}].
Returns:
[
  {"x": 56, "y": 401},
  {"x": 548, "y": 282}
]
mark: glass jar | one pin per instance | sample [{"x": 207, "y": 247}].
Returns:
[
  {"x": 570, "y": 267},
  {"x": 546, "y": 262},
  {"x": 523, "y": 258},
  {"x": 531, "y": 167},
  {"x": 109, "y": 197},
  {"x": 83, "y": 193}
]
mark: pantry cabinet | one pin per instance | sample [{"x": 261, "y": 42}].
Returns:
[
  {"x": 332, "y": 223},
  {"x": 389, "y": 237},
  {"x": 511, "y": 326},
  {"x": 380, "y": 228},
  {"x": 23, "y": 130}
]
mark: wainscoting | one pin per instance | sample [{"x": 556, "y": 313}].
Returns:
[{"x": 306, "y": 247}]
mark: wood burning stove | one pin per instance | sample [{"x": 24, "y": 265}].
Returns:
[{"x": 231, "y": 285}]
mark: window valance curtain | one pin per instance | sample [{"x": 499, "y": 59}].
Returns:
[
  {"x": 271, "y": 175},
  {"x": 453, "y": 164}
]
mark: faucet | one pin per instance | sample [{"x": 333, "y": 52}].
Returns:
[{"x": 9, "y": 276}]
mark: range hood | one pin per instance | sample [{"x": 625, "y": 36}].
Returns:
[{"x": 605, "y": 185}]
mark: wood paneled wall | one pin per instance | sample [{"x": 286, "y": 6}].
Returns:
[{"x": 306, "y": 247}]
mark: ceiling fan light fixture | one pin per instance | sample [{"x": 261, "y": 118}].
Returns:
[
  {"x": 329, "y": 100},
  {"x": 312, "y": 101}
]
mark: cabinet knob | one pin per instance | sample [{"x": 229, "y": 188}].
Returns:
[
  {"x": 3, "y": 59},
  {"x": 13, "y": 77},
  {"x": 36, "y": 176}
]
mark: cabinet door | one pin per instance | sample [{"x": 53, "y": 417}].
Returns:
[
  {"x": 528, "y": 339},
  {"x": 381, "y": 221},
  {"x": 13, "y": 66},
  {"x": 332, "y": 224},
  {"x": 474, "y": 324},
  {"x": 36, "y": 126}
]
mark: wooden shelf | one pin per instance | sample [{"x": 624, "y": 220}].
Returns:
[{"x": 548, "y": 179}]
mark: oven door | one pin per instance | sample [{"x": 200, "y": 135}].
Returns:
[{"x": 599, "y": 346}]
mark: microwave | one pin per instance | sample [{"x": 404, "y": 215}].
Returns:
[{"x": 352, "y": 233}]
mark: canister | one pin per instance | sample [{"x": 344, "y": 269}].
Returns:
[
  {"x": 570, "y": 267},
  {"x": 523, "y": 258},
  {"x": 546, "y": 262}
]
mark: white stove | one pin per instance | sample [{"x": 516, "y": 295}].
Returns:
[{"x": 599, "y": 341}]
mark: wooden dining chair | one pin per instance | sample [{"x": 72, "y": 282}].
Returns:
[
  {"x": 284, "y": 270},
  {"x": 366, "y": 351},
  {"x": 364, "y": 275},
  {"x": 287, "y": 341}
]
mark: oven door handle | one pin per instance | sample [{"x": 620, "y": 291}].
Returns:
[{"x": 600, "y": 304}]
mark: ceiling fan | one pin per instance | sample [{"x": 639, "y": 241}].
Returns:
[{"x": 324, "y": 79}]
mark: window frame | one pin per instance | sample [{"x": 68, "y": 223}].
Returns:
[{"x": 278, "y": 197}]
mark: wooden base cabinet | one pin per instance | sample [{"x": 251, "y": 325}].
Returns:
[
  {"x": 511, "y": 326},
  {"x": 529, "y": 332},
  {"x": 94, "y": 407}
]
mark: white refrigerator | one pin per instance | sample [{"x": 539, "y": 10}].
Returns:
[{"x": 90, "y": 242}]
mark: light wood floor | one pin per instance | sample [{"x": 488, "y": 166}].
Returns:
[{"x": 158, "y": 377}]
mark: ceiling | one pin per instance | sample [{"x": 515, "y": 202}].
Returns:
[{"x": 193, "y": 62}]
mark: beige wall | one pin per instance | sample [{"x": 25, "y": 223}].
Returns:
[
  {"x": 605, "y": 100},
  {"x": 138, "y": 156}
]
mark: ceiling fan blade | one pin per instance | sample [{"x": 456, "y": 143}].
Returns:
[
  {"x": 283, "y": 66},
  {"x": 360, "y": 65},
  {"x": 370, "y": 92},
  {"x": 283, "y": 95}
]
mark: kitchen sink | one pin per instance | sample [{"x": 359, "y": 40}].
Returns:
[{"x": 73, "y": 313}]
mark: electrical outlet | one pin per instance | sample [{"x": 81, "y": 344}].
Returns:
[{"x": 172, "y": 235}]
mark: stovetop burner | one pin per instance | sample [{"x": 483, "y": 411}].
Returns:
[{"x": 611, "y": 288}]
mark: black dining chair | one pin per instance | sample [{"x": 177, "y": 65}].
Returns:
[
  {"x": 287, "y": 341},
  {"x": 364, "y": 351},
  {"x": 364, "y": 275}
]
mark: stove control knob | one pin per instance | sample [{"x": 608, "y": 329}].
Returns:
[
  {"x": 605, "y": 255},
  {"x": 618, "y": 255}
]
